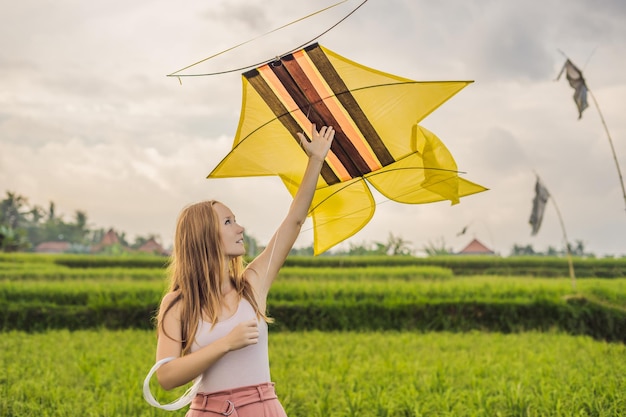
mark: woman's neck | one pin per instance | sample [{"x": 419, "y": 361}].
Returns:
[{"x": 227, "y": 286}]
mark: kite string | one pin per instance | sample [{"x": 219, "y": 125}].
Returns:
[
  {"x": 257, "y": 37},
  {"x": 175, "y": 74},
  {"x": 329, "y": 29}
]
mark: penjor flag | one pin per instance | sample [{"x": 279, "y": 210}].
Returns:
[
  {"x": 539, "y": 205},
  {"x": 576, "y": 80}
]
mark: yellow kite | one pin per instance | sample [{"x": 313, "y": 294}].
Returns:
[{"x": 377, "y": 140}]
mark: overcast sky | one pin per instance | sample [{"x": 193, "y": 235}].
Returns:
[{"x": 89, "y": 120}]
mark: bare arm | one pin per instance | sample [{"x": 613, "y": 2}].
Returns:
[
  {"x": 268, "y": 263},
  {"x": 184, "y": 369}
]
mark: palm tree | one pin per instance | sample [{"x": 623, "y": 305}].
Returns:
[
  {"x": 12, "y": 212},
  {"x": 437, "y": 248},
  {"x": 396, "y": 245}
]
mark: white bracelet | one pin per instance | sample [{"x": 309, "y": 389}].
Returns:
[{"x": 174, "y": 405}]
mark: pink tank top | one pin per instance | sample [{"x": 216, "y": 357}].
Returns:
[{"x": 239, "y": 368}]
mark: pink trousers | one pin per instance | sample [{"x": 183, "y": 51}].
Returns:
[{"x": 252, "y": 401}]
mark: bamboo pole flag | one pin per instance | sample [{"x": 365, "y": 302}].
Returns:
[
  {"x": 536, "y": 216},
  {"x": 575, "y": 78},
  {"x": 577, "y": 81},
  {"x": 539, "y": 206}
]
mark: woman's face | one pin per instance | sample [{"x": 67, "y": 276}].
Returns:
[{"x": 231, "y": 233}]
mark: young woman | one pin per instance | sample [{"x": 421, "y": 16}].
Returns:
[{"x": 212, "y": 320}]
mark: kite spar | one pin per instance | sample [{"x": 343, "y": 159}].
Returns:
[{"x": 178, "y": 74}]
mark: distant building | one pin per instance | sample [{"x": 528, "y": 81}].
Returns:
[
  {"x": 475, "y": 247},
  {"x": 52, "y": 247},
  {"x": 109, "y": 240},
  {"x": 152, "y": 246}
]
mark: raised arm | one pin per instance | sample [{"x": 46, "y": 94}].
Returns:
[{"x": 265, "y": 267}]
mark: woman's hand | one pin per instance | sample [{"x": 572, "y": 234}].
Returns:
[
  {"x": 244, "y": 334},
  {"x": 320, "y": 142}
]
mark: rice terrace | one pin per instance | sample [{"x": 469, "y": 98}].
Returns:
[{"x": 353, "y": 336}]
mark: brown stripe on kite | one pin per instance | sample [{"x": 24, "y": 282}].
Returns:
[
  {"x": 277, "y": 107},
  {"x": 349, "y": 155},
  {"x": 298, "y": 97},
  {"x": 345, "y": 124},
  {"x": 305, "y": 124},
  {"x": 326, "y": 69}
]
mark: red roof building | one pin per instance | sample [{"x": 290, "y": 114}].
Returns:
[
  {"x": 476, "y": 248},
  {"x": 152, "y": 246},
  {"x": 110, "y": 238},
  {"x": 52, "y": 247}
]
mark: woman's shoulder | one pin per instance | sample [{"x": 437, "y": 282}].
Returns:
[{"x": 170, "y": 301}]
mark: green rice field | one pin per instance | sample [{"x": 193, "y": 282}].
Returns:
[
  {"x": 100, "y": 373},
  {"x": 76, "y": 338}
]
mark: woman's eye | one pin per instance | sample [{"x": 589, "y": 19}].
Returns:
[{"x": 227, "y": 222}]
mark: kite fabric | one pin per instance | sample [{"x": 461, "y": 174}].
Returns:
[
  {"x": 539, "y": 206},
  {"x": 577, "y": 82},
  {"x": 377, "y": 138}
]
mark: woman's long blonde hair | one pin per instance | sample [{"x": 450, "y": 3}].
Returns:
[{"x": 195, "y": 272}]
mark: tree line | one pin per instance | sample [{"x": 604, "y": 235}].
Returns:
[{"x": 24, "y": 226}]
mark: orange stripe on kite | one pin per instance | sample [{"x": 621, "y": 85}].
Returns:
[
  {"x": 339, "y": 112},
  {"x": 279, "y": 90},
  {"x": 284, "y": 96}
]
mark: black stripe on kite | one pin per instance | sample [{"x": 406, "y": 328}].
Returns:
[{"x": 348, "y": 101}]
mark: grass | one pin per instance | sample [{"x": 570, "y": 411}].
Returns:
[
  {"x": 485, "y": 288},
  {"x": 100, "y": 372}
]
